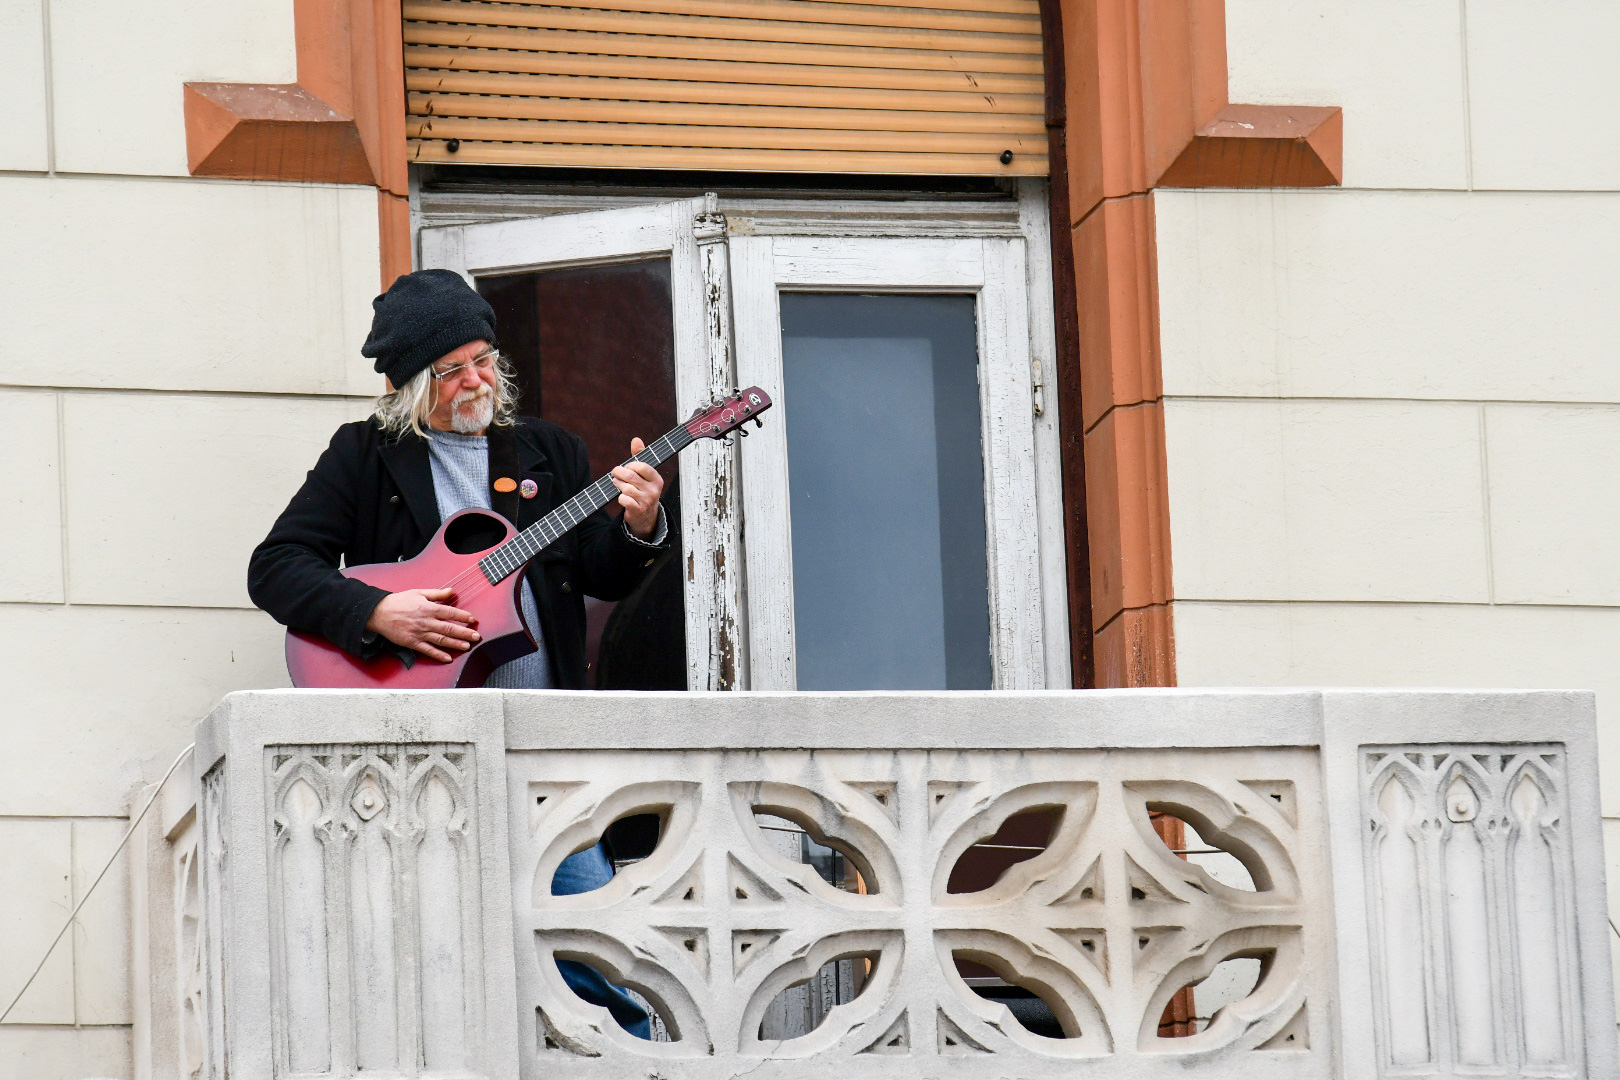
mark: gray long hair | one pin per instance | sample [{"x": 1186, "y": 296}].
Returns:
[{"x": 406, "y": 409}]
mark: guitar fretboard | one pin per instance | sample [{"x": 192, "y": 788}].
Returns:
[{"x": 512, "y": 555}]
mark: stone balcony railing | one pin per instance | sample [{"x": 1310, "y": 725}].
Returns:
[{"x": 358, "y": 884}]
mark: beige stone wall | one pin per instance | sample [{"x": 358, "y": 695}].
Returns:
[
  {"x": 175, "y": 354},
  {"x": 1393, "y": 409}
]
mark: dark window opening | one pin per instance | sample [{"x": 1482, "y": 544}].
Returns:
[{"x": 594, "y": 350}]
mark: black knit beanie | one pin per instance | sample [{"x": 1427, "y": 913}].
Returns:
[{"x": 422, "y": 316}]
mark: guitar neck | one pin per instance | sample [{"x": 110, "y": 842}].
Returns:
[{"x": 511, "y": 556}]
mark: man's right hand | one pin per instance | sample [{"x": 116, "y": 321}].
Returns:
[{"x": 420, "y": 619}]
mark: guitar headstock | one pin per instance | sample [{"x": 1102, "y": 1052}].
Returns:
[{"x": 720, "y": 418}]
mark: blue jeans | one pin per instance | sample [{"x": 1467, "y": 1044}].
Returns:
[{"x": 582, "y": 872}]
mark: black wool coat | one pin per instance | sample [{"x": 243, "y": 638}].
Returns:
[{"x": 370, "y": 499}]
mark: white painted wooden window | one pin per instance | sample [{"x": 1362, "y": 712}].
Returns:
[
  {"x": 731, "y": 267},
  {"x": 714, "y": 657},
  {"x": 989, "y": 272}
]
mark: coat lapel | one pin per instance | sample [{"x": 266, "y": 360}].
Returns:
[
  {"x": 534, "y": 465},
  {"x": 407, "y": 462}
]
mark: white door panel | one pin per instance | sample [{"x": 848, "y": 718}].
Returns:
[
  {"x": 713, "y": 590},
  {"x": 993, "y": 271},
  {"x": 726, "y": 297}
]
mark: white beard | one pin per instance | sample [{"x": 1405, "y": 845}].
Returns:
[{"x": 472, "y": 411}]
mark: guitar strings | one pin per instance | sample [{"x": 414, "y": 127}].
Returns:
[{"x": 473, "y": 580}]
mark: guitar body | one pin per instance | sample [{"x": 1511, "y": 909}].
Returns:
[{"x": 450, "y": 559}]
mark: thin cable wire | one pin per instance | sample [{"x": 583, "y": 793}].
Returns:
[{"x": 133, "y": 825}]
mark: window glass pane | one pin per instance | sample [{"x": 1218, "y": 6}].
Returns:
[
  {"x": 886, "y": 490},
  {"x": 594, "y": 349}
]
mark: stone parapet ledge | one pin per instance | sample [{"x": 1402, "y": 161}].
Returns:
[{"x": 1416, "y": 877}]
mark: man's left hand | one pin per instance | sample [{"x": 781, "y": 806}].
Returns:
[{"x": 640, "y": 487}]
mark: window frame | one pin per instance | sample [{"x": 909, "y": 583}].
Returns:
[
  {"x": 715, "y": 243},
  {"x": 682, "y": 231},
  {"x": 991, "y": 269}
]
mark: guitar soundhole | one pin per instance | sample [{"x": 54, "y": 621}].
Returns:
[{"x": 472, "y": 533}]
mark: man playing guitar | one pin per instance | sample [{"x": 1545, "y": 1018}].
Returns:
[
  {"x": 382, "y": 487},
  {"x": 446, "y": 439}
]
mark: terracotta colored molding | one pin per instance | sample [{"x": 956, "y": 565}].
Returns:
[
  {"x": 1263, "y": 146},
  {"x": 1138, "y": 649},
  {"x": 1146, "y": 107},
  {"x": 394, "y": 232},
  {"x": 1117, "y": 276},
  {"x": 342, "y": 122},
  {"x": 1129, "y": 511},
  {"x": 248, "y": 131}
]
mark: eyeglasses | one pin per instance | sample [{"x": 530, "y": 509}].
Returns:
[{"x": 481, "y": 362}]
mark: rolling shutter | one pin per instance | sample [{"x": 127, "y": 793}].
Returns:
[{"x": 893, "y": 86}]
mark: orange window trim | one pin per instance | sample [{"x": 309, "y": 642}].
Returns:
[
  {"x": 1145, "y": 106},
  {"x": 1139, "y": 101},
  {"x": 342, "y": 122}
]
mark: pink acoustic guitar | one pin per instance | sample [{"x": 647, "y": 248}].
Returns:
[{"x": 479, "y": 555}]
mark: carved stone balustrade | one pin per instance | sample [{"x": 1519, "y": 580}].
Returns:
[{"x": 362, "y": 886}]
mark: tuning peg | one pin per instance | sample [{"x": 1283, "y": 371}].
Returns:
[
  {"x": 757, "y": 422},
  {"x": 743, "y": 431},
  {"x": 728, "y": 441}
]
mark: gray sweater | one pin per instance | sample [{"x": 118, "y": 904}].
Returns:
[{"x": 461, "y": 481}]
